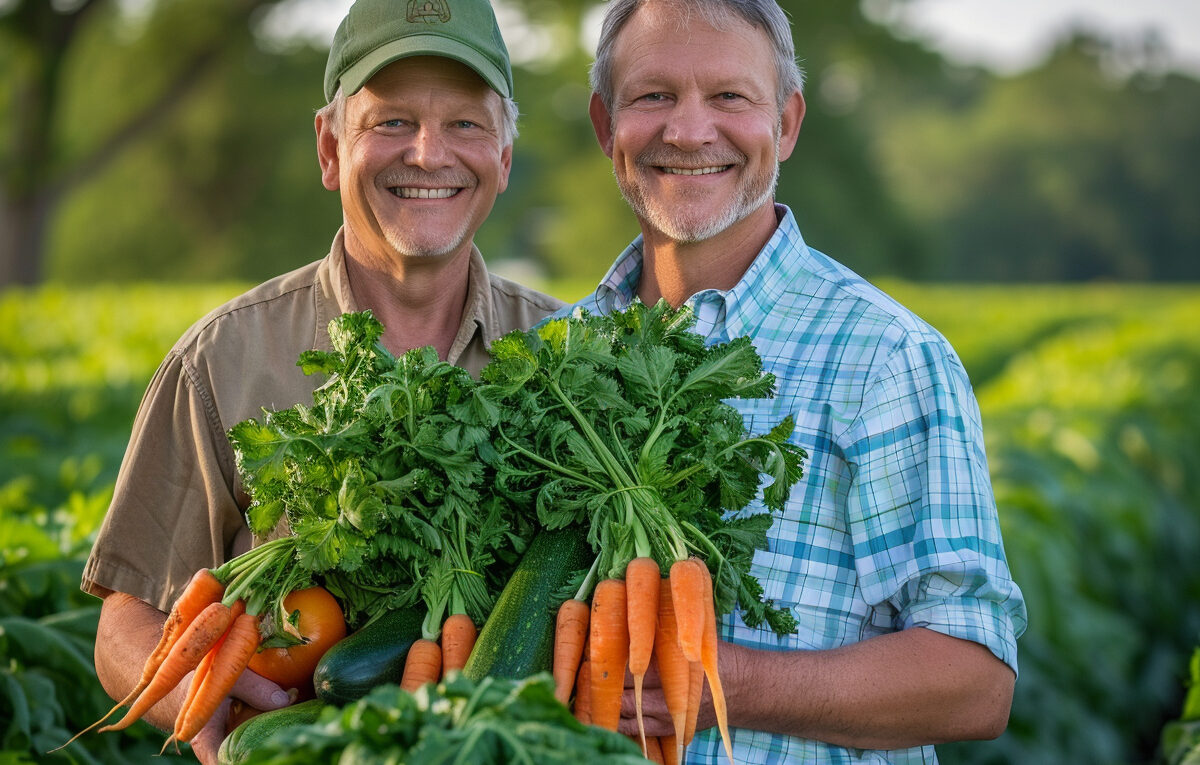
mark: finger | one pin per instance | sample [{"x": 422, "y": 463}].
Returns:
[
  {"x": 208, "y": 740},
  {"x": 261, "y": 693},
  {"x": 654, "y": 714}
]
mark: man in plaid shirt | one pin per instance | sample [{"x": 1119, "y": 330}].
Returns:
[{"x": 889, "y": 551}]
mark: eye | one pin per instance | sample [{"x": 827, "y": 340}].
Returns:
[
  {"x": 654, "y": 98},
  {"x": 465, "y": 124},
  {"x": 728, "y": 96},
  {"x": 393, "y": 123}
]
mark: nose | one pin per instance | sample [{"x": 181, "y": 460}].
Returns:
[
  {"x": 689, "y": 125},
  {"x": 428, "y": 150}
]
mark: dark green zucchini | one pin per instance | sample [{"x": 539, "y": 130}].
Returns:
[
  {"x": 368, "y": 657},
  {"x": 245, "y": 738},
  {"x": 518, "y": 638}
]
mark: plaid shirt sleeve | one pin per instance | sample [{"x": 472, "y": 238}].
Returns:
[{"x": 922, "y": 516}]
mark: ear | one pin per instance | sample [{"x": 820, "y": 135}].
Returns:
[
  {"x": 793, "y": 115},
  {"x": 327, "y": 154},
  {"x": 601, "y": 123},
  {"x": 505, "y": 168}
]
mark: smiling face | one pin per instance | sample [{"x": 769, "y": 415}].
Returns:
[
  {"x": 419, "y": 159},
  {"x": 696, "y": 133}
]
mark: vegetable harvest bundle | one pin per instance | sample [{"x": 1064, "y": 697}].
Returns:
[
  {"x": 619, "y": 422},
  {"x": 409, "y": 484},
  {"x": 382, "y": 488}
]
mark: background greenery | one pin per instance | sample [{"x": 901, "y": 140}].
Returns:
[
  {"x": 156, "y": 158},
  {"x": 1091, "y": 404},
  {"x": 173, "y": 139}
]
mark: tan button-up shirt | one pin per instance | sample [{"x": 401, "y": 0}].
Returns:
[{"x": 178, "y": 502}]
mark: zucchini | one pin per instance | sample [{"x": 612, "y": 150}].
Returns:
[
  {"x": 246, "y": 738},
  {"x": 370, "y": 656},
  {"x": 518, "y": 639}
]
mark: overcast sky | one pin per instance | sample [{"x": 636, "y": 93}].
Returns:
[{"x": 1012, "y": 34}]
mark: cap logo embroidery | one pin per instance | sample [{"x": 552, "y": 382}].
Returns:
[{"x": 428, "y": 11}]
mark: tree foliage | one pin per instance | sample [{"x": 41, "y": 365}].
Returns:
[{"x": 172, "y": 139}]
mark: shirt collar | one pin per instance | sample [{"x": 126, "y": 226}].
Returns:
[
  {"x": 479, "y": 315},
  {"x": 336, "y": 298},
  {"x": 777, "y": 269}
]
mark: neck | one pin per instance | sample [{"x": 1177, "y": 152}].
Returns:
[
  {"x": 677, "y": 270},
  {"x": 420, "y": 301}
]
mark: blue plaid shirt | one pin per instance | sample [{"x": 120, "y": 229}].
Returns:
[{"x": 894, "y": 523}]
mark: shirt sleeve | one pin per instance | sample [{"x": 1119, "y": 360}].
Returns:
[
  {"x": 174, "y": 508},
  {"x": 923, "y": 520}
]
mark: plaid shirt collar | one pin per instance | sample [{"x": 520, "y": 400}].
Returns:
[{"x": 782, "y": 264}]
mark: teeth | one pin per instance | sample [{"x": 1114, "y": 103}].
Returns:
[
  {"x": 696, "y": 171},
  {"x": 415, "y": 193}
]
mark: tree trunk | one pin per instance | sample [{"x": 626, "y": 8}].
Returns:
[
  {"x": 32, "y": 185},
  {"x": 23, "y": 225}
]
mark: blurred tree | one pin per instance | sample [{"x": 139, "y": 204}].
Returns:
[
  {"x": 172, "y": 139},
  {"x": 179, "y": 44},
  {"x": 1070, "y": 171},
  {"x": 563, "y": 209}
]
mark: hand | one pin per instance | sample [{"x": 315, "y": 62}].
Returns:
[
  {"x": 251, "y": 694},
  {"x": 655, "y": 716}
]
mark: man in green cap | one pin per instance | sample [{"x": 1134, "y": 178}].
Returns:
[{"x": 417, "y": 139}]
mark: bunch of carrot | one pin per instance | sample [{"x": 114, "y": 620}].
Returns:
[
  {"x": 203, "y": 634},
  {"x": 429, "y": 660},
  {"x": 630, "y": 620}
]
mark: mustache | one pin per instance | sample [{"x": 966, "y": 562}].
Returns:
[
  {"x": 662, "y": 156},
  {"x": 441, "y": 179}
]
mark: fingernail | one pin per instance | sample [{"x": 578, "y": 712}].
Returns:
[{"x": 279, "y": 698}]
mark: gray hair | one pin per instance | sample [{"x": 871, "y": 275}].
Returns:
[
  {"x": 760, "y": 14},
  {"x": 334, "y": 113}
]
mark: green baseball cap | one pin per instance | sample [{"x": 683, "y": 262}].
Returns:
[{"x": 377, "y": 32}]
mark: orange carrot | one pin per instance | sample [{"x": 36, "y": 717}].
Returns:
[
  {"x": 184, "y": 656},
  {"x": 231, "y": 658},
  {"x": 202, "y": 589},
  {"x": 570, "y": 634},
  {"x": 198, "y": 676},
  {"x": 609, "y": 639},
  {"x": 458, "y": 638},
  {"x": 583, "y": 692},
  {"x": 206, "y": 663},
  {"x": 669, "y": 754},
  {"x": 673, "y": 669},
  {"x": 652, "y": 749},
  {"x": 708, "y": 657},
  {"x": 423, "y": 664},
  {"x": 687, "y": 592},
  {"x": 641, "y": 593},
  {"x": 695, "y": 692}
]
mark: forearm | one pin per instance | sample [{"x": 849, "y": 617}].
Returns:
[
  {"x": 908, "y": 688},
  {"x": 128, "y": 631}
]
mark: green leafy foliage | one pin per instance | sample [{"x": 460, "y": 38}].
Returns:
[
  {"x": 621, "y": 423},
  {"x": 380, "y": 484},
  {"x": 458, "y": 720}
]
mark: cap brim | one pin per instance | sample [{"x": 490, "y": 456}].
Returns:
[{"x": 422, "y": 45}]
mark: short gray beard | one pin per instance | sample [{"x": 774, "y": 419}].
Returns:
[
  {"x": 676, "y": 227},
  {"x": 406, "y": 244},
  {"x": 403, "y": 241}
]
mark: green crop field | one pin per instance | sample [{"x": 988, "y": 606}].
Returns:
[{"x": 1091, "y": 405}]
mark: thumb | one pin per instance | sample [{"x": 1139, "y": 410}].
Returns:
[{"x": 261, "y": 693}]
